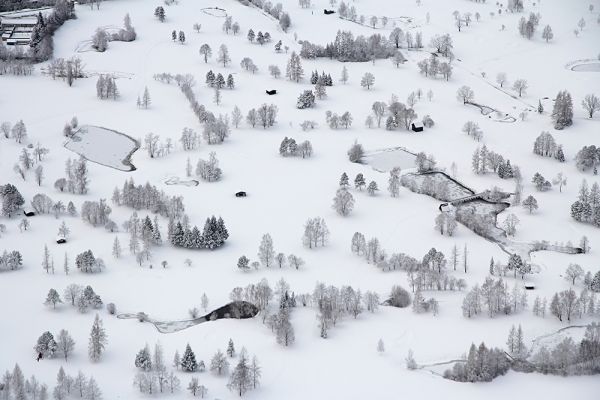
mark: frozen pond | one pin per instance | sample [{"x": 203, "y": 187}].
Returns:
[
  {"x": 104, "y": 146},
  {"x": 385, "y": 160},
  {"x": 589, "y": 65}
]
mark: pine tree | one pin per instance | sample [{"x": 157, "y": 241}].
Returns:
[
  {"x": 344, "y": 180},
  {"x": 359, "y": 182},
  {"x": 98, "y": 340},
  {"x": 188, "y": 361},
  {"x": 240, "y": 380},
  {"x": 53, "y": 298},
  {"x": 116, "y": 248},
  {"x": 143, "y": 360},
  {"x": 230, "y": 349}
]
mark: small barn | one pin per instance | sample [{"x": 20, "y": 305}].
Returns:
[
  {"x": 28, "y": 212},
  {"x": 417, "y": 127},
  {"x": 240, "y": 194},
  {"x": 60, "y": 239},
  {"x": 328, "y": 12},
  {"x": 271, "y": 92}
]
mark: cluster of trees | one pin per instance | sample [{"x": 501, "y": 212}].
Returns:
[
  {"x": 159, "y": 13},
  {"x": 264, "y": 115},
  {"x": 588, "y": 158},
  {"x": 216, "y": 130},
  {"x": 97, "y": 213},
  {"x": 142, "y": 231},
  {"x": 48, "y": 347},
  {"x": 496, "y": 297},
  {"x": 152, "y": 376},
  {"x": 336, "y": 121},
  {"x": 261, "y": 38},
  {"x": 315, "y": 233},
  {"x": 76, "y": 295},
  {"x": 587, "y": 206},
  {"x": 565, "y": 358},
  {"x": 68, "y": 70},
  {"x": 13, "y": 64},
  {"x": 293, "y": 71},
  {"x": 445, "y": 222},
  {"x": 355, "y": 155},
  {"x": 433, "y": 67},
  {"x": 248, "y": 65},
  {"x": 86, "y": 262},
  {"x": 306, "y": 99},
  {"x": 279, "y": 322},
  {"x": 218, "y": 80},
  {"x": 565, "y": 305},
  {"x": 76, "y": 180},
  {"x": 157, "y": 148},
  {"x": 16, "y": 386},
  {"x": 27, "y": 162},
  {"x": 228, "y": 25},
  {"x": 289, "y": 148},
  {"x": 190, "y": 140},
  {"x": 100, "y": 40},
  {"x": 213, "y": 235},
  {"x": 346, "y": 47},
  {"x": 399, "y": 115},
  {"x": 323, "y": 79},
  {"x": 429, "y": 185},
  {"x": 541, "y": 183},
  {"x": 209, "y": 169},
  {"x": 41, "y": 45},
  {"x": 482, "y": 365},
  {"x": 106, "y": 87},
  {"x": 127, "y": 33},
  {"x": 335, "y": 303},
  {"x": 175, "y": 36},
  {"x": 17, "y": 131},
  {"x": 148, "y": 197},
  {"x": 269, "y": 258},
  {"x": 562, "y": 112},
  {"x": 276, "y": 11},
  {"x": 528, "y": 26},
  {"x": 343, "y": 202},
  {"x": 422, "y": 305},
  {"x": 485, "y": 160},
  {"x": 11, "y": 261},
  {"x": 568, "y": 357},
  {"x": 546, "y": 146}
]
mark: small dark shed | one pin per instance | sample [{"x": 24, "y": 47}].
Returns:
[
  {"x": 240, "y": 194},
  {"x": 529, "y": 287},
  {"x": 61, "y": 240},
  {"x": 417, "y": 127},
  {"x": 271, "y": 92},
  {"x": 328, "y": 12},
  {"x": 29, "y": 213}
]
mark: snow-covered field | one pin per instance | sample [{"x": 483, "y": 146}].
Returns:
[{"x": 283, "y": 192}]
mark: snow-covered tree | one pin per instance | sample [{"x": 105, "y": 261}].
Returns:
[{"x": 98, "y": 340}]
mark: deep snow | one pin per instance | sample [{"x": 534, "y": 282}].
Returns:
[{"x": 285, "y": 192}]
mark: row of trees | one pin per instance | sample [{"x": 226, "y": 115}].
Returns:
[
  {"x": 290, "y": 148},
  {"x": 213, "y": 235},
  {"x": 48, "y": 347},
  {"x": 16, "y": 386},
  {"x": 496, "y": 297}
]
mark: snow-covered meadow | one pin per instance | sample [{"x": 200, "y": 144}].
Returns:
[{"x": 284, "y": 192}]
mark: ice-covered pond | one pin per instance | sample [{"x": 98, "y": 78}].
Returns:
[
  {"x": 386, "y": 159},
  {"x": 104, "y": 146}
]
